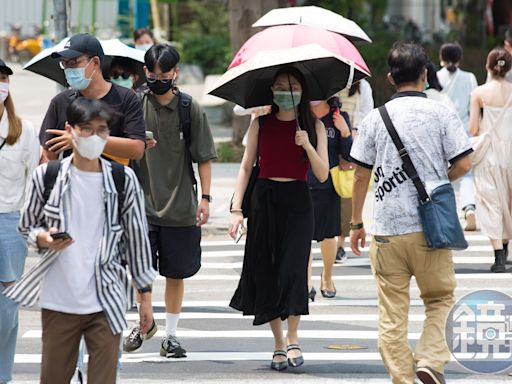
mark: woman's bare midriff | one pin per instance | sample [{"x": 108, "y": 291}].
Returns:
[{"x": 281, "y": 179}]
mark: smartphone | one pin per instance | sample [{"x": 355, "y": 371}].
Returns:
[
  {"x": 239, "y": 233},
  {"x": 60, "y": 236},
  {"x": 149, "y": 135}
]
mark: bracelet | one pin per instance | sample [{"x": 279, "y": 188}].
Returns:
[
  {"x": 356, "y": 226},
  {"x": 236, "y": 211}
]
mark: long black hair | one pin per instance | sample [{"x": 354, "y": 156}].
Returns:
[
  {"x": 306, "y": 119},
  {"x": 433, "y": 81},
  {"x": 451, "y": 54}
]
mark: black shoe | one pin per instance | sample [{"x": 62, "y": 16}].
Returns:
[
  {"x": 341, "y": 256},
  {"x": 295, "y": 361},
  {"x": 133, "y": 342},
  {"x": 429, "y": 376},
  {"x": 499, "y": 261},
  {"x": 326, "y": 293},
  {"x": 278, "y": 366},
  {"x": 171, "y": 347},
  {"x": 505, "y": 251},
  {"x": 312, "y": 294}
]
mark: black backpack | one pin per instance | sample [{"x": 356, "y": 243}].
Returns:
[
  {"x": 118, "y": 175},
  {"x": 185, "y": 126}
]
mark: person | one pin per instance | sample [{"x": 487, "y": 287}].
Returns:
[
  {"x": 433, "y": 87},
  {"x": 357, "y": 103},
  {"x": 491, "y": 113},
  {"x": 123, "y": 72},
  {"x": 434, "y": 136},
  {"x": 79, "y": 281},
  {"x": 507, "y": 44},
  {"x": 19, "y": 156},
  {"x": 81, "y": 60},
  {"x": 326, "y": 202},
  {"x": 274, "y": 284},
  {"x": 143, "y": 39},
  {"x": 458, "y": 85},
  {"x": 170, "y": 189}
]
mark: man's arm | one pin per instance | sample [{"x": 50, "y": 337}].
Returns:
[
  {"x": 362, "y": 178},
  {"x": 205, "y": 178},
  {"x": 459, "y": 168},
  {"x": 132, "y": 149}
]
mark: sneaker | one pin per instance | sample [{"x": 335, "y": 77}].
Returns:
[
  {"x": 470, "y": 220},
  {"x": 429, "y": 376},
  {"x": 341, "y": 256},
  {"x": 171, "y": 347},
  {"x": 78, "y": 377},
  {"x": 134, "y": 340}
]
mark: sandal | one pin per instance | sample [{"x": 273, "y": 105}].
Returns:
[
  {"x": 278, "y": 366},
  {"x": 295, "y": 361}
]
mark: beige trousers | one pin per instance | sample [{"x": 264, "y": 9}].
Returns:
[{"x": 394, "y": 260}]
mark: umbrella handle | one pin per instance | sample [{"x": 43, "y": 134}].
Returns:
[
  {"x": 293, "y": 101},
  {"x": 350, "y": 76}
]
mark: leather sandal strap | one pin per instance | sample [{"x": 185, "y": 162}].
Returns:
[
  {"x": 293, "y": 346},
  {"x": 279, "y": 352}
]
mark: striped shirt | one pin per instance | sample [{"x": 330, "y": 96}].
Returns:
[{"x": 125, "y": 240}]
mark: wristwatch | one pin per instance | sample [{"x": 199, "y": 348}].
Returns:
[
  {"x": 356, "y": 226},
  {"x": 207, "y": 197},
  {"x": 145, "y": 289}
]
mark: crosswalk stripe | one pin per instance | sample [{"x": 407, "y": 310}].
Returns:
[{"x": 239, "y": 316}]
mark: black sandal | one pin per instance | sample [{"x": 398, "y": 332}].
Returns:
[
  {"x": 295, "y": 361},
  {"x": 278, "y": 366}
]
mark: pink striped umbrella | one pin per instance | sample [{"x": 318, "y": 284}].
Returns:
[{"x": 290, "y": 36}]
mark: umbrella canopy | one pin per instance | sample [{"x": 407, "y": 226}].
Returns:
[
  {"x": 248, "y": 84},
  {"x": 288, "y": 36},
  {"x": 44, "y": 65},
  {"x": 314, "y": 17}
]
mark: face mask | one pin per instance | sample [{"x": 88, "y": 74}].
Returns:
[
  {"x": 284, "y": 100},
  {"x": 4, "y": 91},
  {"x": 314, "y": 103},
  {"x": 76, "y": 77},
  {"x": 159, "y": 88},
  {"x": 89, "y": 147},
  {"x": 127, "y": 83},
  {"x": 143, "y": 47}
]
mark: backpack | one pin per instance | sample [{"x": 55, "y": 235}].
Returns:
[
  {"x": 118, "y": 175},
  {"x": 185, "y": 124}
]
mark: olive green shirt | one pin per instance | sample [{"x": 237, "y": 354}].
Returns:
[{"x": 164, "y": 174}]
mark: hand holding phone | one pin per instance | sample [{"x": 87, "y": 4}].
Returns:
[
  {"x": 60, "y": 236},
  {"x": 239, "y": 233}
]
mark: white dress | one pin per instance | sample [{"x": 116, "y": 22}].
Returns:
[{"x": 493, "y": 176}]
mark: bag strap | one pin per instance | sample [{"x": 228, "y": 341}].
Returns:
[
  {"x": 2, "y": 145},
  {"x": 185, "y": 126},
  {"x": 118, "y": 174},
  {"x": 409, "y": 168},
  {"x": 52, "y": 170}
]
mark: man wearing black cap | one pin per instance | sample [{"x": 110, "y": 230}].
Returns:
[{"x": 81, "y": 60}]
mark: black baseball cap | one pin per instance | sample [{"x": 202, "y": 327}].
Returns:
[
  {"x": 4, "y": 68},
  {"x": 80, "y": 44}
]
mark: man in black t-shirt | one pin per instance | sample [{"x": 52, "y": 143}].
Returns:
[{"x": 81, "y": 61}]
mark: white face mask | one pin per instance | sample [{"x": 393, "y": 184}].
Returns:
[
  {"x": 143, "y": 47},
  {"x": 4, "y": 91},
  {"x": 89, "y": 147}
]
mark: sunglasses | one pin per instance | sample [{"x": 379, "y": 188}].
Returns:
[{"x": 124, "y": 75}]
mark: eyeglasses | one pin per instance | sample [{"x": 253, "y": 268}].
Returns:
[
  {"x": 152, "y": 78},
  {"x": 87, "y": 131},
  {"x": 72, "y": 63},
  {"x": 124, "y": 75}
]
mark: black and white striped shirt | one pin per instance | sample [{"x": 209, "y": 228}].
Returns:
[{"x": 124, "y": 240}]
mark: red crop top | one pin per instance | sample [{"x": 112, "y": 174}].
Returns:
[{"x": 279, "y": 155}]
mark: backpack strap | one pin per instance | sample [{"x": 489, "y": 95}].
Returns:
[
  {"x": 119, "y": 176},
  {"x": 52, "y": 170},
  {"x": 185, "y": 126}
]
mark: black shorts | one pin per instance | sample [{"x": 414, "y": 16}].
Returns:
[
  {"x": 326, "y": 210},
  {"x": 176, "y": 251}
]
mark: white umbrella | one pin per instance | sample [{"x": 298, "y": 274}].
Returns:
[
  {"x": 44, "y": 65},
  {"x": 314, "y": 17}
]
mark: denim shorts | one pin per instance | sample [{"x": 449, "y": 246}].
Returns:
[{"x": 13, "y": 247}]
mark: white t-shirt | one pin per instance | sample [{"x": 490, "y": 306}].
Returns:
[
  {"x": 433, "y": 135},
  {"x": 458, "y": 87},
  {"x": 69, "y": 285}
]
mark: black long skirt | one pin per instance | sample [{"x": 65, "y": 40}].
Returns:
[{"x": 274, "y": 280}]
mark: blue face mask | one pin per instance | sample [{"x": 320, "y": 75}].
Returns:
[
  {"x": 76, "y": 77},
  {"x": 285, "y": 101},
  {"x": 127, "y": 83}
]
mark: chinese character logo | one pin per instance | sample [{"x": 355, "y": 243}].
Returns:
[{"x": 479, "y": 331}]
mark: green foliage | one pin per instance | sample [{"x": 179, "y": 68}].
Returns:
[
  {"x": 228, "y": 152},
  {"x": 205, "y": 39}
]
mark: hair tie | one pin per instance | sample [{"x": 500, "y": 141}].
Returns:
[{"x": 501, "y": 63}]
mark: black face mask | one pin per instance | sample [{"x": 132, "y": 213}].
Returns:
[{"x": 159, "y": 88}]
